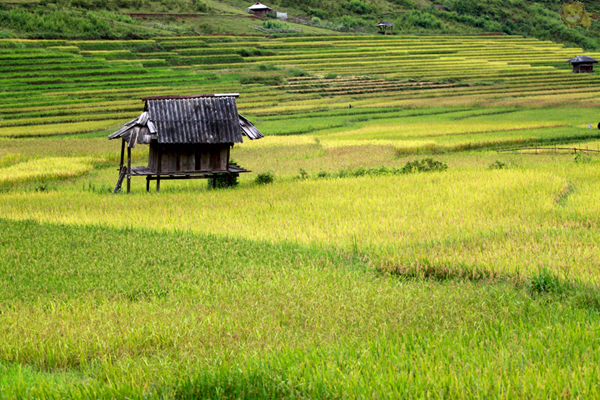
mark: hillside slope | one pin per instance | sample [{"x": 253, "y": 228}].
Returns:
[{"x": 131, "y": 19}]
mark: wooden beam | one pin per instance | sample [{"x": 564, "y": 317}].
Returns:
[
  {"x": 158, "y": 168},
  {"x": 128, "y": 169}
]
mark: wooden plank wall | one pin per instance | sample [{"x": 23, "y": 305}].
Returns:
[{"x": 190, "y": 157}]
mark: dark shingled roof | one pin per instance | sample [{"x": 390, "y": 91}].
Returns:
[
  {"x": 188, "y": 119},
  {"x": 582, "y": 59}
]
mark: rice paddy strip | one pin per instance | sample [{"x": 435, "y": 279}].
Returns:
[{"x": 45, "y": 169}]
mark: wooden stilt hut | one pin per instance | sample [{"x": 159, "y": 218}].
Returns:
[
  {"x": 384, "y": 26},
  {"x": 582, "y": 64},
  {"x": 190, "y": 137},
  {"x": 259, "y": 9}
]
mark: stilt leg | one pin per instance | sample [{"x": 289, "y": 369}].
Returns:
[{"x": 128, "y": 169}]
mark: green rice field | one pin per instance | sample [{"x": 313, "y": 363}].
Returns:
[{"x": 357, "y": 273}]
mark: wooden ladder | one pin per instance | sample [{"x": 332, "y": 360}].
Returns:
[{"x": 120, "y": 180}]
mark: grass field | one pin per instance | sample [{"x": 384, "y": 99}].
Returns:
[{"x": 351, "y": 275}]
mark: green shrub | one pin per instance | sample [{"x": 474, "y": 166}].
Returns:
[
  {"x": 7, "y": 35},
  {"x": 358, "y": 7},
  {"x": 302, "y": 174},
  {"x": 268, "y": 67},
  {"x": 424, "y": 165},
  {"x": 318, "y": 13},
  {"x": 200, "y": 6},
  {"x": 544, "y": 282},
  {"x": 271, "y": 80},
  {"x": 296, "y": 72},
  {"x": 219, "y": 181},
  {"x": 275, "y": 24},
  {"x": 421, "y": 19},
  {"x": 498, "y": 165},
  {"x": 406, "y": 3},
  {"x": 348, "y": 22},
  {"x": 254, "y": 52},
  {"x": 265, "y": 178},
  {"x": 581, "y": 158}
]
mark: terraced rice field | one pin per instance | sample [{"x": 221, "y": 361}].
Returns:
[{"x": 350, "y": 276}]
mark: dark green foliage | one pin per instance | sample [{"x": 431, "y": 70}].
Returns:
[
  {"x": 544, "y": 282},
  {"x": 538, "y": 19},
  {"x": 221, "y": 181},
  {"x": 317, "y": 12},
  {"x": 420, "y": 19},
  {"x": 295, "y": 72},
  {"x": 200, "y": 6},
  {"x": 275, "y": 24},
  {"x": 264, "y": 178},
  {"x": 7, "y": 35},
  {"x": 347, "y": 22},
  {"x": 358, "y": 7},
  {"x": 410, "y": 4},
  {"x": 268, "y": 67},
  {"x": 498, "y": 165},
  {"x": 424, "y": 165},
  {"x": 302, "y": 174},
  {"x": 254, "y": 52},
  {"x": 60, "y": 24}
]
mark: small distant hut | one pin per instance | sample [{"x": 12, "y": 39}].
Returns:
[
  {"x": 384, "y": 27},
  {"x": 190, "y": 137},
  {"x": 582, "y": 64},
  {"x": 260, "y": 10}
]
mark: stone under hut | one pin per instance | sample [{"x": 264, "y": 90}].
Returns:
[
  {"x": 190, "y": 137},
  {"x": 582, "y": 64}
]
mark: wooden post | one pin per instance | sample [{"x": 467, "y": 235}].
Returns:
[
  {"x": 128, "y": 169},
  {"x": 148, "y": 183},
  {"x": 158, "y": 169},
  {"x": 122, "y": 154}
]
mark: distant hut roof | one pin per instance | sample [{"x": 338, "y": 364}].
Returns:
[
  {"x": 581, "y": 59},
  {"x": 258, "y": 6},
  {"x": 210, "y": 118},
  {"x": 386, "y": 23}
]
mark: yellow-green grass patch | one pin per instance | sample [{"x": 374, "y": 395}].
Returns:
[
  {"x": 45, "y": 169},
  {"x": 57, "y": 129}
]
